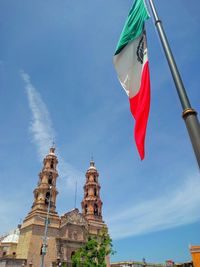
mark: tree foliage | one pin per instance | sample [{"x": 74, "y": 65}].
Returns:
[{"x": 93, "y": 253}]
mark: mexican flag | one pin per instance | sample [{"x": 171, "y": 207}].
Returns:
[{"x": 131, "y": 64}]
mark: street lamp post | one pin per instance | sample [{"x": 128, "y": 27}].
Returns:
[{"x": 44, "y": 243}]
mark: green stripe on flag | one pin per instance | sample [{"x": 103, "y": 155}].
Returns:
[{"x": 134, "y": 24}]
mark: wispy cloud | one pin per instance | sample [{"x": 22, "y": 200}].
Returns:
[
  {"x": 178, "y": 207},
  {"x": 43, "y": 133},
  {"x": 41, "y": 125}
]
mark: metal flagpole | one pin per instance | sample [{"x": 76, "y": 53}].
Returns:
[{"x": 189, "y": 114}]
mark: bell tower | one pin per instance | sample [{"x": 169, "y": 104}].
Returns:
[
  {"x": 44, "y": 206},
  {"x": 46, "y": 183},
  {"x": 92, "y": 204}
]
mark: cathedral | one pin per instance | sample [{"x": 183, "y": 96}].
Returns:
[{"x": 45, "y": 238}]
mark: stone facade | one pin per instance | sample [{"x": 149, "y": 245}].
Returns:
[{"x": 64, "y": 234}]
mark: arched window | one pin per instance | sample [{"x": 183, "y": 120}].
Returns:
[
  {"x": 41, "y": 250},
  {"x": 52, "y": 165},
  {"x": 50, "y": 178},
  {"x": 95, "y": 192},
  {"x": 47, "y": 198},
  {"x": 86, "y": 209},
  {"x": 95, "y": 209},
  {"x": 95, "y": 178}
]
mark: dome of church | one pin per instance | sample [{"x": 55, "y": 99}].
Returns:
[{"x": 12, "y": 237}]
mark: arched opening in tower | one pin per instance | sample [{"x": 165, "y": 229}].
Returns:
[
  {"x": 86, "y": 209},
  {"x": 47, "y": 198},
  {"x": 50, "y": 179},
  {"x": 95, "y": 209},
  {"x": 51, "y": 166},
  {"x": 95, "y": 192}
]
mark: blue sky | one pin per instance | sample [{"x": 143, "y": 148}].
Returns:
[{"x": 57, "y": 81}]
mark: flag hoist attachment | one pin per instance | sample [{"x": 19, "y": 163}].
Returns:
[{"x": 189, "y": 114}]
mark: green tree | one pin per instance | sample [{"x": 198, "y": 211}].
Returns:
[{"x": 93, "y": 253}]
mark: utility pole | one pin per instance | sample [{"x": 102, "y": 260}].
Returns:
[
  {"x": 189, "y": 114},
  {"x": 44, "y": 243}
]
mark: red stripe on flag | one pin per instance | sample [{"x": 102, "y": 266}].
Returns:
[{"x": 140, "y": 105}]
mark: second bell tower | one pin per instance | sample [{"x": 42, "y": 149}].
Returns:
[{"x": 92, "y": 204}]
